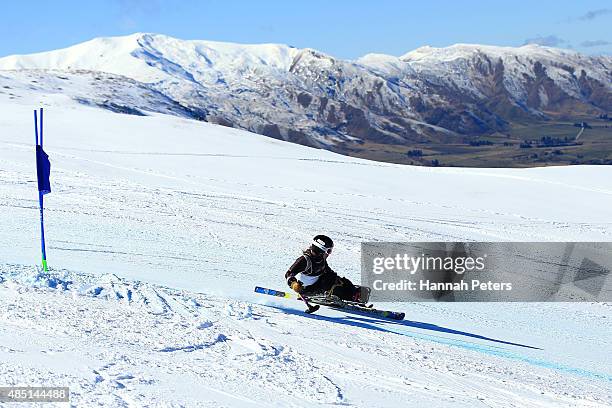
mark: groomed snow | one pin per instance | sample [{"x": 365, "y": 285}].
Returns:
[{"x": 158, "y": 228}]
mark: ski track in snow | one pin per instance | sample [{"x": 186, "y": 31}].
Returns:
[{"x": 154, "y": 257}]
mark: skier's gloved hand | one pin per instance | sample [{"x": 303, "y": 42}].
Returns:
[{"x": 297, "y": 286}]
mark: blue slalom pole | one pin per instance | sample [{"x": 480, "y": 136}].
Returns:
[
  {"x": 41, "y": 127},
  {"x": 36, "y": 126},
  {"x": 40, "y": 193},
  {"x": 42, "y": 232}
]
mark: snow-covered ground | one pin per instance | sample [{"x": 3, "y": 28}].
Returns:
[{"x": 158, "y": 228}]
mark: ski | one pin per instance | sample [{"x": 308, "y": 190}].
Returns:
[
  {"x": 333, "y": 302},
  {"x": 265, "y": 291},
  {"x": 272, "y": 292}
]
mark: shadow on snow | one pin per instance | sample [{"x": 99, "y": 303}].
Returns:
[
  {"x": 369, "y": 323},
  {"x": 372, "y": 323}
]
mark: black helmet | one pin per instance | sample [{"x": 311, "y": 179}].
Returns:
[{"x": 322, "y": 243}]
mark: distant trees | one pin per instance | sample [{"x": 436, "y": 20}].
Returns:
[
  {"x": 418, "y": 154},
  {"x": 480, "y": 143},
  {"x": 549, "y": 141},
  {"x": 414, "y": 153}
]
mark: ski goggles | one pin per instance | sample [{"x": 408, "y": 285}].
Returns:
[{"x": 322, "y": 247}]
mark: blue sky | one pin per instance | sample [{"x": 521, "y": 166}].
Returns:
[{"x": 346, "y": 29}]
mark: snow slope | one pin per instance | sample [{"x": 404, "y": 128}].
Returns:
[
  {"x": 450, "y": 65},
  {"x": 155, "y": 57},
  {"x": 159, "y": 227}
]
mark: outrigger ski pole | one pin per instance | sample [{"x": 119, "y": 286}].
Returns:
[{"x": 311, "y": 309}]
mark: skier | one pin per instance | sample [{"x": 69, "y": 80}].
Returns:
[{"x": 311, "y": 275}]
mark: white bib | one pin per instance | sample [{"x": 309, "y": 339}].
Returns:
[{"x": 306, "y": 279}]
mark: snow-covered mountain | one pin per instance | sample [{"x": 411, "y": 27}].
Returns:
[{"x": 305, "y": 96}]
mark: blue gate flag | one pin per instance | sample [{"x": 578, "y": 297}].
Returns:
[{"x": 43, "y": 169}]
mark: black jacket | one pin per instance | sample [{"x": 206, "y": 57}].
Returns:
[{"x": 310, "y": 264}]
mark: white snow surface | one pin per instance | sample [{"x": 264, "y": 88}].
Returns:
[{"x": 159, "y": 227}]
